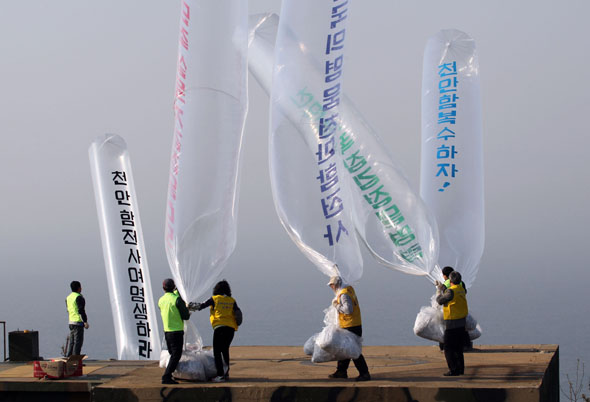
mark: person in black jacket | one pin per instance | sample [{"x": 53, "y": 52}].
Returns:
[{"x": 78, "y": 321}]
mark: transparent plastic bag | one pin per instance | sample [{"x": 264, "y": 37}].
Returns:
[
  {"x": 430, "y": 323},
  {"x": 194, "y": 365},
  {"x": 321, "y": 356},
  {"x": 333, "y": 343},
  {"x": 309, "y": 345}
]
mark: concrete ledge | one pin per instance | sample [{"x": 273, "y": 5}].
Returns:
[
  {"x": 511, "y": 373},
  {"x": 518, "y": 373}
]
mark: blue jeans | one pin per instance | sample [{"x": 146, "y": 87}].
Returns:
[{"x": 76, "y": 340}]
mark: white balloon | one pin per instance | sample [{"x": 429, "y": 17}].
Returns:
[
  {"x": 451, "y": 181},
  {"x": 390, "y": 218},
  {"x": 128, "y": 276},
  {"x": 312, "y": 199},
  {"x": 210, "y": 109}
]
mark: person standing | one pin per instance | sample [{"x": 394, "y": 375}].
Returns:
[
  {"x": 467, "y": 343},
  {"x": 78, "y": 321},
  {"x": 454, "y": 302},
  {"x": 225, "y": 317},
  {"x": 446, "y": 271},
  {"x": 349, "y": 318},
  {"x": 174, "y": 313}
]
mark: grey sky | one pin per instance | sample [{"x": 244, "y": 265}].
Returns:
[{"x": 72, "y": 70}]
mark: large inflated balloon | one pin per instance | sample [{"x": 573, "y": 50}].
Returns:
[
  {"x": 128, "y": 276},
  {"x": 388, "y": 215},
  {"x": 210, "y": 109},
  {"x": 451, "y": 181},
  {"x": 313, "y": 200}
]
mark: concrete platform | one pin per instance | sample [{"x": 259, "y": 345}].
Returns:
[{"x": 283, "y": 373}]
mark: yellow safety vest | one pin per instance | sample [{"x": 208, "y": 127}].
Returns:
[
  {"x": 456, "y": 308},
  {"x": 73, "y": 307},
  {"x": 170, "y": 314},
  {"x": 354, "y": 319},
  {"x": 222, "y": 312}
]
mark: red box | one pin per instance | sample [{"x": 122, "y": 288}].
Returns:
[{"x": 58, "y": 368}]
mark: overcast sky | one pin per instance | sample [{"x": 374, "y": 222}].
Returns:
[{"x": 72, "y": 70}]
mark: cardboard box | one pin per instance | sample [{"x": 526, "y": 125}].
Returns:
[{"x": 58, "y": 368}]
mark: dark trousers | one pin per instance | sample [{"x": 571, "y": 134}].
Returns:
[
  {"x": 454, "y": 339},
  {"x": 76, "y": 340},
  {"x": 174, "y": 342},
  {"x": 222, "y": 337},
  {"x": 359, "y": 363}
]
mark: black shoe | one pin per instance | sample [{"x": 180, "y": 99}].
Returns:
[
  {"x": 364, "y": 377},
  {"x": 169, "y": 381},
  {"x": 451, "y": 374},
  {"x": 338, "y": 374}
]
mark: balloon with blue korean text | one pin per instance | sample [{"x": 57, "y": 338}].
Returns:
[
  {"x": 451, "y": 181},
  {"x": 390, "y": 218},
  {"x": 313, "y": 201}
]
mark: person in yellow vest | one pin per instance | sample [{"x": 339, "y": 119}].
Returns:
[
  {"x": 454, "y": 302},
  {"x": 78, "y": 321},
  {"x": 349, "y": 318},
  {"x": 467, "y": 343},
  {"x": 446, "y": 271},
  {"x": 174, "y": 312},
  {"x": 225, "y": 317}
]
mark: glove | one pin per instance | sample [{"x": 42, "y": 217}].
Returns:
[
  {"x": 193, "y": 306},
  {"x": 436, "y": 283},
  {"x": 335, "y": 302}
]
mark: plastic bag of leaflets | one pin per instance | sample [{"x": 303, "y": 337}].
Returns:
[
  {"x": 430, "y": 323},
  {"x": 195, "y": 364},
  {"x": 333, "y": 342}
]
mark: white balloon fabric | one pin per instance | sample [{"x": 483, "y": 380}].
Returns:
[
  {"x": 210, "y": 109},
  {"x": 390, "y": 217},
  {"x": 312, "y": 200},
  {"x": 451, "y": 181},
  {"x": 128, "y": 276}
]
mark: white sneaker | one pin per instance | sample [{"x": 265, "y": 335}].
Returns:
[{"x": 219, "y": 378}]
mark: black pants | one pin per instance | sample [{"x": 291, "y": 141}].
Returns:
[
  {"x": 222, "y": 337},
  {"x": 454, "y": 340},
  {"x": 76, "y": 340},
  {"x": 359, "y": 363},
  {"x": 174, "y": 342}
]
